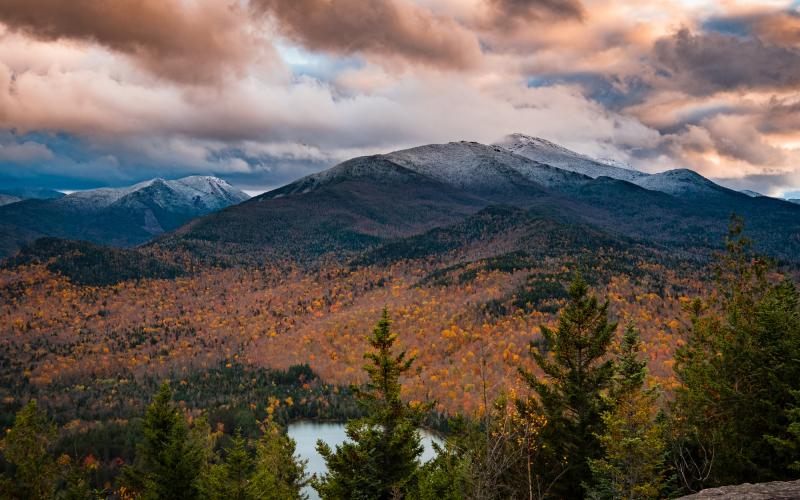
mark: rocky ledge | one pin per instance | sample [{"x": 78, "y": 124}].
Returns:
[{"x": 776, "y": 490}]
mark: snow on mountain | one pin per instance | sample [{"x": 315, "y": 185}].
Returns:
[
  {"x": 794, "y": 200},
  {"x": 544, "y": 151},
  {"x": 681, "y": 182},
  {"x": 195, "y": 193},
  {"x": 470, "y": 166},
  {"x": 752, "y": 194},
  {"x": 7, "y": 199},
  {"x": 478, "y": 166}
]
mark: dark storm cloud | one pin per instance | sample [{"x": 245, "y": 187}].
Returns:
[
  {"x": 183, "y": 41},
  {"x": 708, "y": 62},
  {"x": 394, "y": 30}
]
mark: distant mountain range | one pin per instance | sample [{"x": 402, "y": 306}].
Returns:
[
  {"x": 368, "y": 202},
  {"x": 8, "y": 196},
  {"x": 458, "y": 197},
  {"x": 113, "y": 216}
]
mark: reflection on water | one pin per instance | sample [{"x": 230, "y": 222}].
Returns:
[{"x": 306, "y": 434}]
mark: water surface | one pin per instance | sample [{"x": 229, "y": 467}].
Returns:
[{"x": 306, "y": 433}]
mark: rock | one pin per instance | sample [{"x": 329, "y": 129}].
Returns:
[{"x": 776, "y": 490}]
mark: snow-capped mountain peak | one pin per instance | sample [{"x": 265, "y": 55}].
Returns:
[
  {"x": 550, "y": 153},
  {"x": 210, "y": 192}
]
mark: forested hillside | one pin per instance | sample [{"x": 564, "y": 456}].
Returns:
[{"x": 684, "y": 360}]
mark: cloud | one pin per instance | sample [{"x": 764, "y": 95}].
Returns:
[
  {"x": 24, "y": 152},
  {"x": 703, "y": 63},
  {"x": 519, "y": 13},
  {"x": 188, "y": 41},
  {"x": 385, "y": 31},
  {"x": 263, "y": 91}
]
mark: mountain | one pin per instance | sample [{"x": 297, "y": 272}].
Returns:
[
  {"x": 8, "y": 196},
  {"x": 794, "y": 200},
  {"x": 115, "y": 216},
  {"x": 348, "y": 207},
  {"x": 32, "y": 193},
  {"x": 546, "y": 152},
  {"x": 752, "y": 194},
  {"x": 679, "y": 182},
  {"x": 368, "y": 202},
  {"x": 6, "y": 199},
  {"x": 684, "y": 183}
]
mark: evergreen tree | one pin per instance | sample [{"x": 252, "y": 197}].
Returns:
[
  {"x": 633, "y": 444},
  {"x": 278, "y": 474},
  {"x": 28, "y": 447},
  {"x": 738, "y": 371},
  {"x": 788, "y": 445},
  {"x": 171, "y": 456},
  {"x": 229, "y": 479},
  {"x": 380, "y": 461},
  {"x": 570, "y": 397}
]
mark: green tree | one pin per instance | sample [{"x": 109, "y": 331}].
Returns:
[
  {"x": 380, "y": 460},
  {"x": 278, "y": 474},
  {"x": 28, "y": 447},
  {"x": 737, "y": 371},
  {"x": 632, "y": 463},
  {"x": 570, "y": 396},
  {"x": 171, "y": 455},
  {"x": 228, "y": 480},
  {"x": 788, "y": 444}
]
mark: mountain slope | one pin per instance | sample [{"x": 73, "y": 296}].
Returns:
[
  {"x": 7, "y": 199},
  {"x": 346, "y": 208},
  {"x": 32, "y": 193},
  {"x": 369, "y": 201},
  {"x": 8, "y": 196},
  {"x": 115, "y": 216},
  {"x": 544, "y": 151},
  {"x": 683, "y": 182}
]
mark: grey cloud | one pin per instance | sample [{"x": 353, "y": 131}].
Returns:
[{"x": 708, "y": 62}]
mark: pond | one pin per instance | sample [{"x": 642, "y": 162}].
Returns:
[{"x": 306, "y": 433}]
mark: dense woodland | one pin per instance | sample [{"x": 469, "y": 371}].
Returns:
[{"x": 605, "y": 373}]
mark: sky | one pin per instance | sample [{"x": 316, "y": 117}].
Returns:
[{"x": 261, "y": 92}]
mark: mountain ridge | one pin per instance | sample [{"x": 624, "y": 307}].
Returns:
[
  {"x": 125, "y": 216},
  {"x": 367, "y": 201}
]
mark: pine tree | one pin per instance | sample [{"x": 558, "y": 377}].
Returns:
[
  {"x": 278, "y": 474},
  {"x": 570, "y": 397},
  {"x": 229, "y": 479},
  {"x": 381, "y": 459},
  {"x": 28, "y": 446},
  {"x": 632, "y": 464},
  {"x": 737, "y": 373},
  {"x": 171, "y": 456}
]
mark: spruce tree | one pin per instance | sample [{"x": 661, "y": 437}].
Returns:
[
  {"x": 171, "y": 456},
  {"x": 380, "y": 460},
  {"x": 570, "y": 396},
  {"x": 738, "y": 371},
  {"x": 28, "y": 446},
  {"x": 229, "y": 479},
  {"x": 632, "y": 463},
  {"x": 278, "y": 474}
]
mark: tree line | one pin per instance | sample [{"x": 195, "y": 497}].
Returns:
[{"x": 591, "y": 424}]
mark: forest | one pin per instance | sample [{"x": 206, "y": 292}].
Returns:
[{"x": 604, "y": 377}]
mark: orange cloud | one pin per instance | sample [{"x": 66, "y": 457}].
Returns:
[
  {"x": 387, "y": 31},
  {"x": 186, "y": 41}
]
